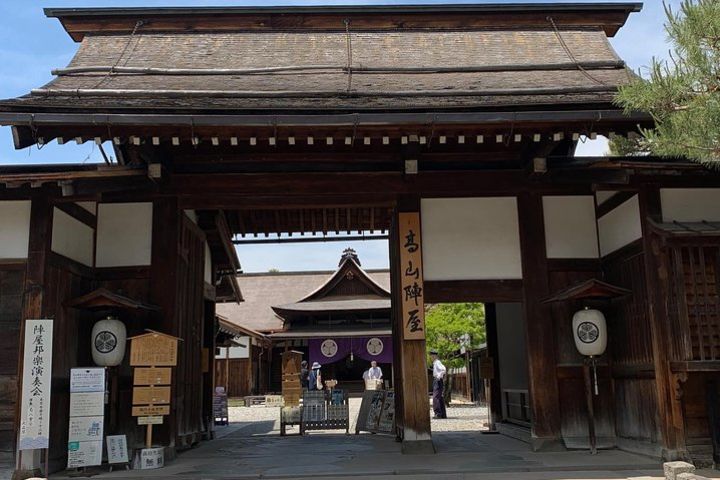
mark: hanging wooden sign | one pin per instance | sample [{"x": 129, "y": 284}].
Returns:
[
  {"x": 152, "y": 376},
  {"x": 411, "y": 273},
  {"x": 153, "y": 349},
  {"x": 151, "y": 395},
  {"x": 150, "y": 410},
  {"x": 36, "y": 379}
]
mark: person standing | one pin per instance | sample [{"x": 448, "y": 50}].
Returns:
[
  {"x": 304, "y": 375},
  {"x": 375, "y": 372},
  {"x": 315, "y": 377},
  {"x": 439, "y": 372}
]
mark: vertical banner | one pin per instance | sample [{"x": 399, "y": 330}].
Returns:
[
  {"x": 36, "y": 385},
  {"x": 413, "y": 303}
]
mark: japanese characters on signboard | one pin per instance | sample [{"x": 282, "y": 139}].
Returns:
[
  {"x": 117, "y": 450},
  {"x": 36, "y": 387},
  {"x": 87, "y": 421},
  {"x": 412, "y": 287}
]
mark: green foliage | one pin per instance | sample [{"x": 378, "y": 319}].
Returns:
[
  {"x": 274, "y": 270},
  {"x": 628, "y": 146},
  {"x": 446, "y": 323},
  {"x": 682, "y": 94}
]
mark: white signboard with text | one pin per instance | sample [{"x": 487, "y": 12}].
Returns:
[
  {"x": 117, "y": 449},
  {"x": 87, "y": 409},
  {"x": 36, "y": 385},
  {"x": 87, "y": 380}
]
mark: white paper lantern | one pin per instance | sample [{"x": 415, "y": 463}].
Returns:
[
  {"x": 590, "y": 332},
  {"x": 108, "y": 341}
]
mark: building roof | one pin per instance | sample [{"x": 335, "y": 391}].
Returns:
[
  {"x": 432, "y": 58},
  {"x": 261, "y": 291}
]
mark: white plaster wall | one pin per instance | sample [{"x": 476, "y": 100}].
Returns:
[
  {"x": 208, "y": 265},
  {"x": 570, "y": 227},
  {"x": 71, "y": 238},
  {"x": 124, "y": 234},
  {"x": 471, "y": 238},
  {"x": 14, "y": 229},
  {"x": 241, "y": 351},
  {"x": 604, "y": 195},
  {"x": 690, "y": 204},
  {"x": 620, "y": 226}
]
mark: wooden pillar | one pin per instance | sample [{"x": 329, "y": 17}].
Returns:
[
  {"x": 491, "y": 334},
  {"x": 29, "y": 462},
  {"x": 670, "y": 414},
  {"x": 163, "y": 293},
  {"x": 410, "y": 357},
  {"x": 540, "y": 331}
]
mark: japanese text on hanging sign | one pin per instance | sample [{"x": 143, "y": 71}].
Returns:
[
  {"x": 37, "y": 370},
  {"x": 412, "y": 291}
]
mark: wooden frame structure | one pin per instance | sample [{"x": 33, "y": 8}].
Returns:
[{"x": 209, "y": 156}]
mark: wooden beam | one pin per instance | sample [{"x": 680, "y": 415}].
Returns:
[
  {"x": 39, "y": 249},
  {"x": 473, "y": 291},
  {"x": 410, "y": 357},
  {"x": 670, "y": 415},
  {"x": 78, "y": 213},
  {"x": 540, "y": 330}
]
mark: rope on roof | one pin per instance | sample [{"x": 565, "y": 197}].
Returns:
[
  {"x": 513, "y": 67},
  {"x": 570, "y": 54}
]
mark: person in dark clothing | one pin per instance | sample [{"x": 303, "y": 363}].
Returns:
[
  {"x": 439, "y": 372},
  {"x": 304, "y": 375},
  {"x": 315, "y": 377}
]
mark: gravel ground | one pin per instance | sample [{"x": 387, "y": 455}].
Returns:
[{"x": 259, "y": 420}]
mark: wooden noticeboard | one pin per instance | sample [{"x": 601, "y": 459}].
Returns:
[
  {"x": 150, "y": 410},
  {"x": 152, "y": 376},
  {"x": 151, "y": 385},
  {"x": 377, "y": 412},
  {"x": 412, "y": 293},
  {"x": 151, "y": 395},
  {"x": 153, "y": 349}
]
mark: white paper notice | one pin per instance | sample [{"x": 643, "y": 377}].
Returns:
[
  {"x": 87, "y": 380},
  {"x": 87, "y": 404},
  {"x": 36, "y": 385},
  {"x": 117, "y": 449},
  {"x": 84, "y": 454},
  {"x": 84, "y": 429}
]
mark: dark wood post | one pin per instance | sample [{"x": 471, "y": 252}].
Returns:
[
  {"x": 410, "y": 358},
  {"x": 670, "y": 416},
  {"x": 540, "y": 331},
  {"x": 494, "y": 399},
  {"x": 163, "y": 293},
  {"x": 41, "y": 217}
]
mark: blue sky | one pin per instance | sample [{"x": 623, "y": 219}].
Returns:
[{"x": 31, "y": 45}]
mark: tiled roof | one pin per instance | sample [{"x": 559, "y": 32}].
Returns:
[
  {"x": 262, "y": 291},
  {"x": 527, "y": 67}
]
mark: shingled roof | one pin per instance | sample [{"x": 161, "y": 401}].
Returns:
[
  {"x": 262, "y": 291},
  {"x": 305, "y": 60}
]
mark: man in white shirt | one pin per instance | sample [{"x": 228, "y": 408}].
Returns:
[
  {"x": 375, "y": 373},
  {"x": 439, "y": 372}
]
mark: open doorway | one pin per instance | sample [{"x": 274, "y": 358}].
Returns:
[{"x": 315, "y": 284}]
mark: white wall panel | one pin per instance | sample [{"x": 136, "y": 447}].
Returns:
[
  {"x": 570, "y": 227},
  {"x": 71, "y": 238},
  {"x": 124, "y": 236},
  {"x": 14, "y": 229},
  {"x": 690, "y": 204},
  {"x": 471, "y": 238},
  {"x": 620, "y": 226},
  {"x": 208, "y": 265},
  {"x": 604, "y": 195}
]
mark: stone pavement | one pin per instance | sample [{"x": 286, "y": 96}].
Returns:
[{"x": 251, "y": 448}]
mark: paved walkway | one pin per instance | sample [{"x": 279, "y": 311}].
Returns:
[{"x": 251, "y": 448}]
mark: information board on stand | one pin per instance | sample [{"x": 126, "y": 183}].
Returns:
[
  {"x": 377, "y": 412},
  {"x": 87, "y": 420}
]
